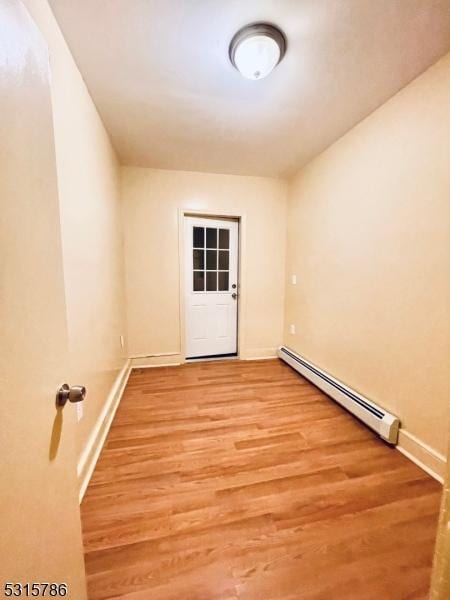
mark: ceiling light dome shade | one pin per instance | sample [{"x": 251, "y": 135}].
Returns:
[{"x": 256, "y": 50}]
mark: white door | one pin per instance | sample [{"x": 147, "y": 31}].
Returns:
[
  {"x": 40, "y": 538},
  {"x": 211, "y": 286}
]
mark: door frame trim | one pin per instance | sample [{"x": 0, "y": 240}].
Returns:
[{"x": 242, "y": 236}]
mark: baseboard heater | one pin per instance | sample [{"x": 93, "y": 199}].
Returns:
[{"x": 385, "y": 424}]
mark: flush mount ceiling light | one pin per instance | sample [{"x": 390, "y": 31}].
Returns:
[{"x": 256, "y": 49}]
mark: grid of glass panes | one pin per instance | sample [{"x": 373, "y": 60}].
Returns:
[{"x": 211, "y": 259}]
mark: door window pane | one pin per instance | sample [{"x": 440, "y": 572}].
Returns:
[
  {"x": 223, "y": 282},
  {"x": 211, "y": 259},
  {"x": 224, "y": 238},
  {"x": 211, "y": 238},
  {"x": 199, "y": 281},
  {"x": 211, "y": 281},
  {"x": 224, "y": 260},
  {"x": 199, "y": 237},
  {"x": 199, "y": 259}
]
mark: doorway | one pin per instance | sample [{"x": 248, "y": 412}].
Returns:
[{"x": 211, "y": 250}]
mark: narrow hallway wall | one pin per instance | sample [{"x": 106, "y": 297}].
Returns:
[
  {"x": 369, "y": 241},
  {"x": 91, "y": 229}
]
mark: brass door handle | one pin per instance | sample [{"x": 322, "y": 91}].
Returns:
[{"x": 76, "y": 393}]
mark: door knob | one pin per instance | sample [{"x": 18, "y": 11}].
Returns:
[
  {"x": 234, "y": 295},
  {"x": 76, "y": 393}
]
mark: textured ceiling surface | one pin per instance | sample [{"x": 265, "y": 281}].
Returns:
[{"x": 159, "y": 74}]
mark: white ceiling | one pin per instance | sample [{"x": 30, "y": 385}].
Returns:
[{"x": 159, "y": 73}]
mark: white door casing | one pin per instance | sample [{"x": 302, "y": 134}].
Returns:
[{"x": 211, "y": 248}]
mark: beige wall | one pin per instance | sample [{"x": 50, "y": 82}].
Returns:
[
  {"x": 90, "y": 225},
  {"x": 151, "y": 203},
  {"x": 369, "y": 241}
]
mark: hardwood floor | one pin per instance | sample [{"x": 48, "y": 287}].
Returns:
[{"x": 240, "y": 480}]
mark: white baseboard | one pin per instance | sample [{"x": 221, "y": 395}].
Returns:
[
  {"x": 166, "y": 359},
  {"x": 422, "y": 455},
  {"x": 89, "y": 456}
]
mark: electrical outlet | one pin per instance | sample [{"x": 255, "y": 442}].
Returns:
[
  {"x": 122, "y": 342},
  {"x": 294, "y": 279},
  {"x": 292, "y": 329},
  {"x": 79, "y": 410}
]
